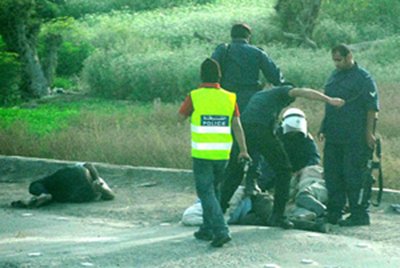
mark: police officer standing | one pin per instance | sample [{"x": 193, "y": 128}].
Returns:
[
  {"x": 241, "y": 64},
  {"x": 349, "y": 138}
]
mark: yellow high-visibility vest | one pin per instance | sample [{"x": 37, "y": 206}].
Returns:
[{"x": 211, "y": 123}]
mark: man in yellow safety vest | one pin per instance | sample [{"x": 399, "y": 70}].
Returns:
[{"x": 214, "y": 113}]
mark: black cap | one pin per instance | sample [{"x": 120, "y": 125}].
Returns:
[{"x": 240, "y": 30}]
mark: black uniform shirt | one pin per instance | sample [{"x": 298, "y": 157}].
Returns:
[{"x": 266, "y": 105}]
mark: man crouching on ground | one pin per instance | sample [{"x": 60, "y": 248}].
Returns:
[{"x": 213, "y": 113}]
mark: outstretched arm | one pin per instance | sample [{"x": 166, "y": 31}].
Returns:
[
  {"x": 239, "y": 136},
  {"x": 312, "y": 94}
]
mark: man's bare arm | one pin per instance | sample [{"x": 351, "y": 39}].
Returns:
[
  {"x": 312, "y": 94},
  {"x": 240, "y": 139},
  {"x": 372, "y": 116}
]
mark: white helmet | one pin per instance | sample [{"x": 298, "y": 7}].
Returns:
[{"x": 294, "y": 119}]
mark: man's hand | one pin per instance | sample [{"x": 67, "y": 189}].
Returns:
[
  {"x": 321, "y": 137},
  {"x": 337, "y": 102},
  {"x": 98, "y": 185},
  {"x": 371, "y": 140},
  {"x": 243, "y": 156}
]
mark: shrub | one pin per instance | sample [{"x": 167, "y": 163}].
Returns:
[
  {"x": 365, "y": 12},
  {"x": 65, "y": 83},
  {"x": 302, "y": 67},
  {"x": 71, "y": 58},
  {"x": 9, "y": 78},
  {"x": 78, "y": 8},
  {"x": 169, "y": 76},
  {"x": 329, "y": 33}
]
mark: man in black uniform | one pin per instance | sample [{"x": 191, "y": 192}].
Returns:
[
  {"x": 349, "y": 138},
  {"x": 259, "y": 122},
  {"x": 241, "y": 64}
]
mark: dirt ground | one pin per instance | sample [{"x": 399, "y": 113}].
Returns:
[{"x": 141, "y": 228}]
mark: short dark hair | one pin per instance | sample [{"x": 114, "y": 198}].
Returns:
[
  {"x": 210, "y": 71},
  {"x": 240, "y": 30},
  {"x": 343, "y": 49}
]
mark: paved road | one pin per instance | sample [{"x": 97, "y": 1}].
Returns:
[
  {"x": 38, "y": 239},
  {"x": 129, "y": 231}
]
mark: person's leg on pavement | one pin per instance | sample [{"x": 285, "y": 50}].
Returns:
[
  {"x": 355, "y": 165},
  {"x": 274, "y": 153},
  {"x": 334, "y": 178},
  {"x": 213, "y": 220},
  {"x": 232, "y": 178},
  {"x": 220, "y": 227}
]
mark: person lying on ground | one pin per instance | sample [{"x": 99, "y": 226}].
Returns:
[{"x": 77, "y": 184}]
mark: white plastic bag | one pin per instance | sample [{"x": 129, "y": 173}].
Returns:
[{"x": 193, "y": 215}]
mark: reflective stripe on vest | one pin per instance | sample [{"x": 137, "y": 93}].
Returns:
[{"x": 211, "y": 123}]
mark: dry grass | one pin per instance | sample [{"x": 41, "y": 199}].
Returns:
[{"x": 126, "y": 133}]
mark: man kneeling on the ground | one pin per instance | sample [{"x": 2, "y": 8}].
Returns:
[{"x": 77, "y": 184}]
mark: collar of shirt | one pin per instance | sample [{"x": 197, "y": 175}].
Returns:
[
  {"x": 210, "y": 85},
  {"x": 344, "y": 72},
  {"x": 240, "y": 41}
]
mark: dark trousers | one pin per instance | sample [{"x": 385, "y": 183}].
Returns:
[
  {"x": 344, "y": 170},
  {"x": 260, "y": 141},
  {"x": 208, "y": 176}
]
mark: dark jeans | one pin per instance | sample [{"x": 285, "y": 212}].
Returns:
[
  {"x": 261, "y": 142},
  {"x": 208, "y": 175},
  {"x": 344, "y": 170}
]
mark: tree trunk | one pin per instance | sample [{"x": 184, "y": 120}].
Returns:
[
  {"x": 298, "y": 19},
  {"x": 36, "y": 81},
  {"x": 53, "y": 43}
]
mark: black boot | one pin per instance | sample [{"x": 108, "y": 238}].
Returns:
[
  {"x": 280, "y": 221},
  {"x": 355, "y": 220}
]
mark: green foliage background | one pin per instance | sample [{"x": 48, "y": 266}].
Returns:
[{"x": 139, "y": 64}]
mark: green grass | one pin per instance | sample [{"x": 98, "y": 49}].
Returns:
[
  {"x": 128, "y": 133},
  {"x": 97, "y": 130},
  {"x": 149, "y": 55},
  {"x": 38, "y": 122}
]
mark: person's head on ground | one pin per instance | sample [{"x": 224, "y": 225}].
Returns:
[
  {"x": 342, "y": 57},
  {"x": 294, "y": 122},
  {"x": 240, "y": 31},
  {"x": 210, "y": 71}
]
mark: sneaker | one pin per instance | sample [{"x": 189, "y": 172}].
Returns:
[
  {"x": 219, "y": 241},
  {"x": 203, "y": 236},
  {"x": 355, "y": 221}
]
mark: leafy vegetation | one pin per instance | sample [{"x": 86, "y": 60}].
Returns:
[
  {"x": 97, "y": 130},
  {"x": 9, "y": 79},
  {"x": 148, "y": 60}
]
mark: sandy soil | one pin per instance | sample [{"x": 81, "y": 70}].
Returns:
[{"x": 141, "y": 228}]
